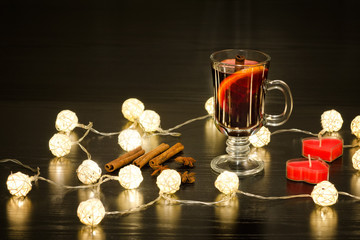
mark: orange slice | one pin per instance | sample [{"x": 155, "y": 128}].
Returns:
[{"x": 239, "y": 78}]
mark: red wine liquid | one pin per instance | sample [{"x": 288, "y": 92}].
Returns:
[{"x": 239, "y": 100}]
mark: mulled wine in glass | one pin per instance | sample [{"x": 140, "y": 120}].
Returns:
[{"x": 240, "y": 85}]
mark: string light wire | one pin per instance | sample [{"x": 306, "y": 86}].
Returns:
[{"x": 168, "y": 185}]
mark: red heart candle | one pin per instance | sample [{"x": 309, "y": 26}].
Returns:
[
  {"x": 304, "y": 170},
  {"x": 328, "y": 149}
]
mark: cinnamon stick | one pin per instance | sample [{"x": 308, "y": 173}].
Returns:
[
  {"x": 124, "y": 159},
  {"x": 158, "y": 169},
  {"x": 144, "y": 159},
  {"x": 239, "y": 60},
  {"x": 178, "y": 147}
]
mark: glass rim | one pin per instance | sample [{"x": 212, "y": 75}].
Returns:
[{"x": 268, "y": 58}]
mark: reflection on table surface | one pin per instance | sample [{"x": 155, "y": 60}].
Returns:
[{"x": 89, "y": 57}]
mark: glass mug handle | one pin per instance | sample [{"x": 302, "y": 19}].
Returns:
[{"x": 279, "y": 119}]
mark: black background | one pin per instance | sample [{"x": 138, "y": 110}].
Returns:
[{"x": 90, "y": 56}]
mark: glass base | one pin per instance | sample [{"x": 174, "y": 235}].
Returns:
[{"x": 250, "y": 166}]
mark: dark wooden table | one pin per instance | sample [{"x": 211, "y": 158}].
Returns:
[{"x": 90, "y": 56}]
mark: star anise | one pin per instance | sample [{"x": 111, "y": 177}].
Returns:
[{"x": 187, "y": 177}]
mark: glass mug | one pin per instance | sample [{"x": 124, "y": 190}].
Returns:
[{"x": 240, "y": 85}]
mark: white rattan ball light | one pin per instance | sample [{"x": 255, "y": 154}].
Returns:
[
  {"x": 19, "y": 184},
  {"x": 130, "y": 177},
  {"x": 331, "y": 121},
  {"x": 88, "y": 172},
  {"x": 209, "y": 106},
  {"x": 149, "y": 121},
  {"x": 260, "y": 138},
  {"x": 66, "y": 121},
  {"x": 91, "y": 212},
  {"x": 168, "y": 181},
  {"x": 227, "y": 182},
  {"x": 129, "y": 139},
  {"x": 60, "y": 144},
  {"x": 356, "y": 160},
  {"x": 132, "y": 108},
  {"x": 324, "y": 194},
  {"x": 355, "y": 126}
]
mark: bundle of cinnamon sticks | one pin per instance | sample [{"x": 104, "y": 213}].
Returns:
[{"x": 138, "y": 157}]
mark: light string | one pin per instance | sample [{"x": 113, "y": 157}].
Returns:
[
  {"x": 134, "y": 111},
  {"x": 37, "y": 177},
  {"x": 149, "y": 121},
  {"x": 353, "y": 145},
  {"x": 92, "y": 211},
  {"x": 96, "y": 131},
  {"x": 135, "y": 209},
  {"x": 294, "y": 130},
  {"x": 272, "y": 198},
  {"x": 60, "y": 143},
  {"x": 169, "y": 131},
  {"x": 331, "y": 122},
  {"x": 18, "y": 163},
  {"x": 171, "y": 200},
  {"x": 323, "y": 194}
]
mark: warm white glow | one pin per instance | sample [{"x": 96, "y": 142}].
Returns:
[
  {"x": 168, "y": 181},
  {"x": 19, "y": 212},
  {"x": 128, "y": 199},
  {"x": 88, "y": 172},
  {"x": 323, "y": 223},
  {"x": 132, "y": 108},
  {"x": 356, "y": 160},
  {"x": 227, "y": 182},
  {"x": 227, "y": 210},
  {"x": 60, "y": 145},
  {"x": 19, "y": 184},
  {"x": 129, "y": 139},
  {"x": 331, "y": 121},
  {"x": 91, "y": 233},
  {"x": 355, "y": 126},
  {"x": 149, "y": 121},
  {"x": 261, "y": 137},
  {"x": 91, "y": 212},
  {"x": 66, "y": 121},
  {"x": 324, "y": 194},
  {"x": 209, "y": 106},
  {"x": 130, "y": 177}
]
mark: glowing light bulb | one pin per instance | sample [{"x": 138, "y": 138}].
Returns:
[
  {"x": 66, "y": 121},
  {"x": 129, "y": 139},
  {"x": 168, "y": 181},
  {"x": 261, "y": 137},
  {"x": 355, "y": 126},
  {"x": 150, "y": 121},
  {"x": 331, "y": 121},
  {"x": 60, "y": 144},
  {"x": 130, "y": 177},
  {"x": 356, "y": 160},
  {"x": 324, "y": 194},
  {"x": 132, "y": 108},
  {"x": 88, "y": 172},
  {"x": 19, "y": 184},
  {"x": 209, "y": 106},
  {"x": 227, "y": 182},
  {"x": 91, "y": 212}
]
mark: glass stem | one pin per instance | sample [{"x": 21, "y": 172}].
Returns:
[{"x": 238, "y": 148}]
